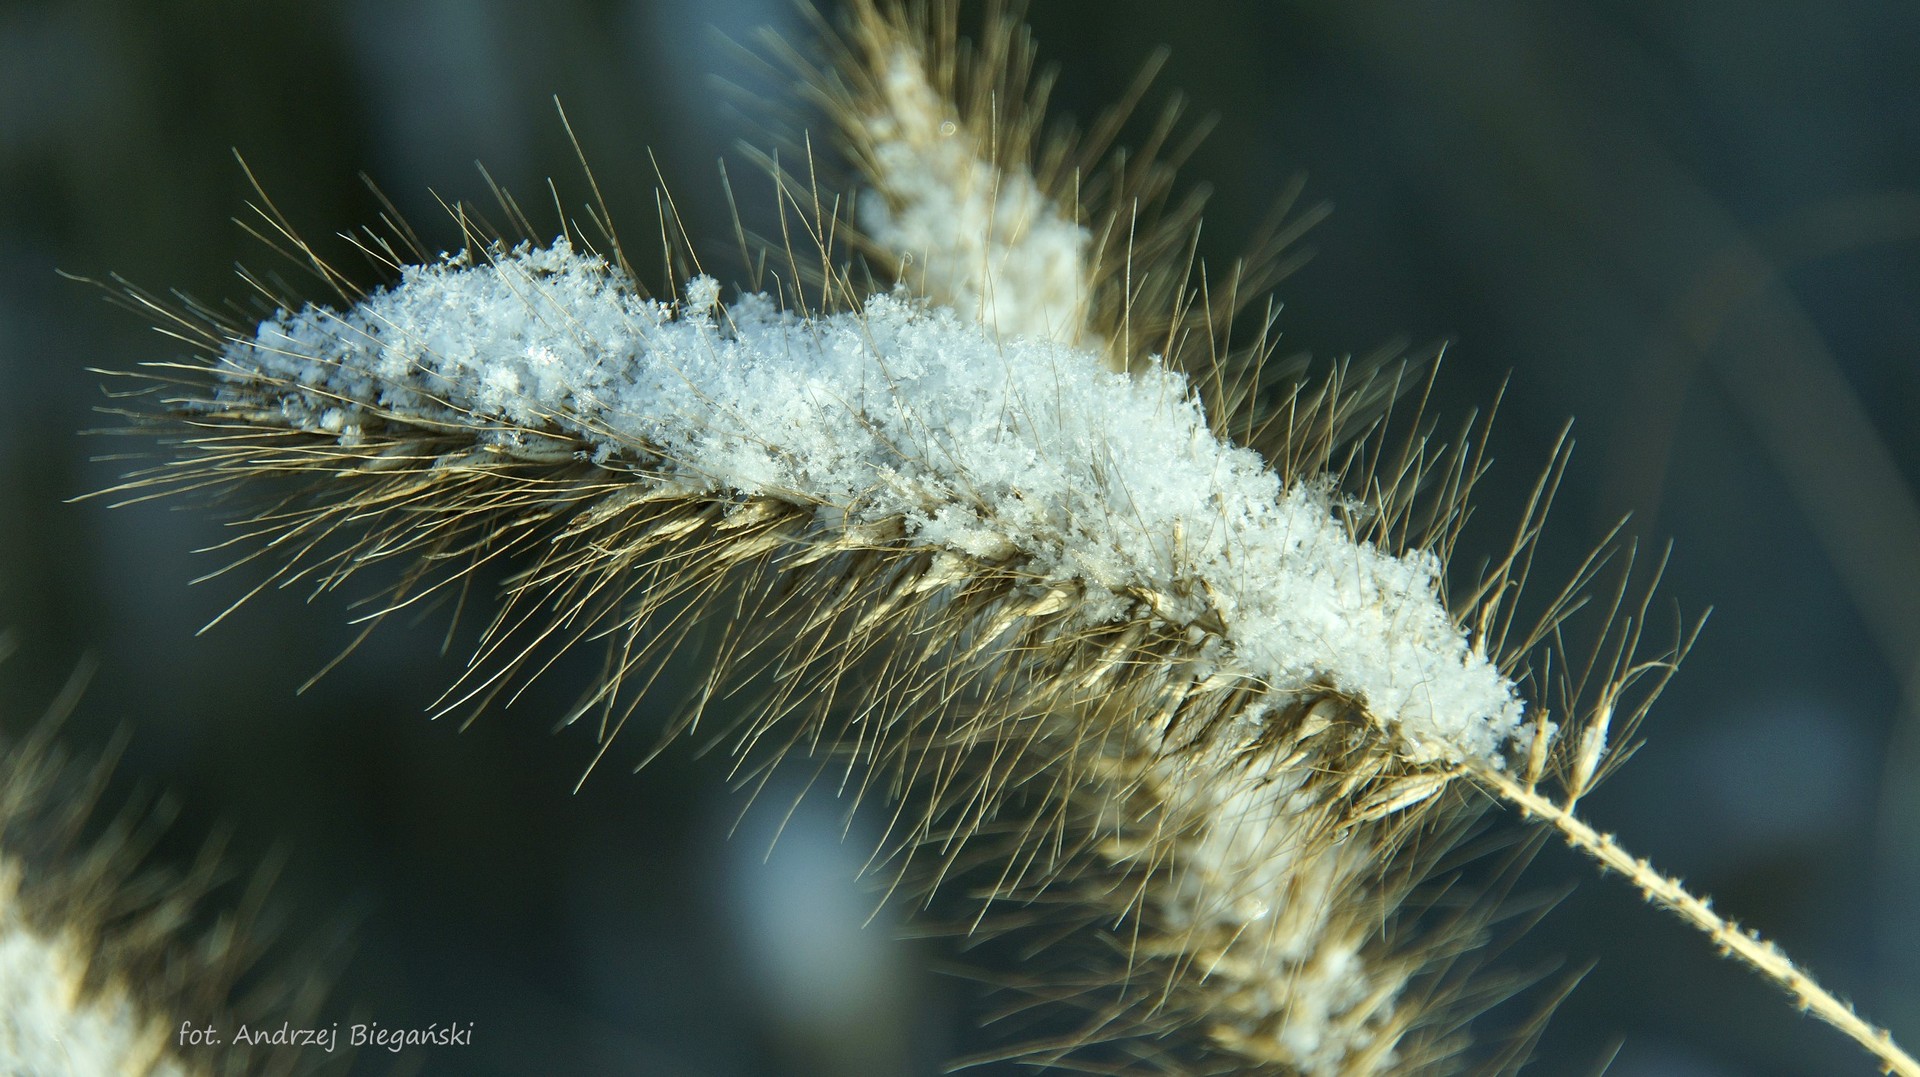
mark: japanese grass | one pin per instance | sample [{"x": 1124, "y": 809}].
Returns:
[{"x": 985, "y": 538}]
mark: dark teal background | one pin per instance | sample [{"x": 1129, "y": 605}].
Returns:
[{"x": 1694, "y": 228}]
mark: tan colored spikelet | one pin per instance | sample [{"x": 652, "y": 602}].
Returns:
[
  {"x": 1065, "y": 777},
  {"x": 1234, "y": 874},
  {"x": 1102, "y": 763}
]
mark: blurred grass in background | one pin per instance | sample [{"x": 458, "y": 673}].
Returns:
[{"x": 1695, "y": 228}]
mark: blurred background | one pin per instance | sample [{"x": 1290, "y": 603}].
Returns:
[{"x": 1693, "y": 227}]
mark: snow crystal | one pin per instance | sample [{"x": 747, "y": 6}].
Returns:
[{"x": 981, "y": 239}]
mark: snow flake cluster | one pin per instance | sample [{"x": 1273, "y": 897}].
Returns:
[
  {"x": 992, "y": 446},
  {"x": 978, "y": 237}
]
